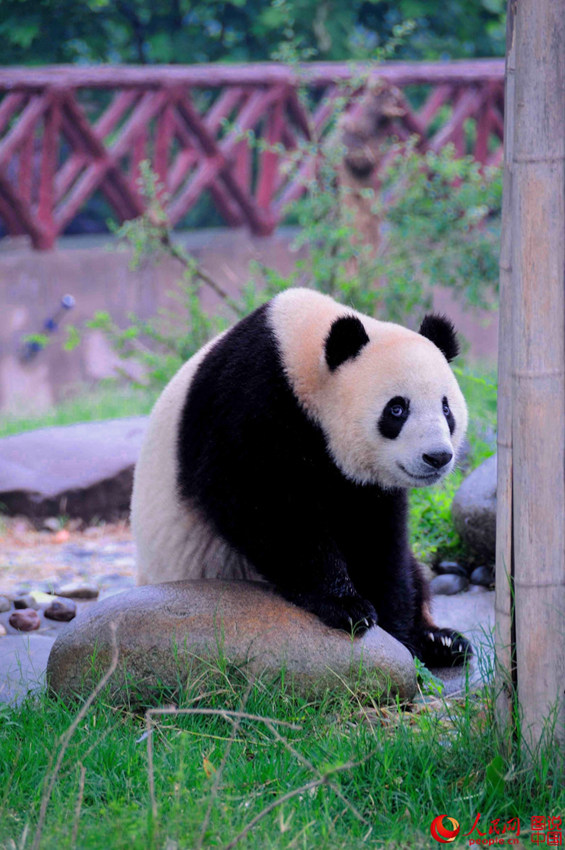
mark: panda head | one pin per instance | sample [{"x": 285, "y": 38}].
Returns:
[{"x": 388, "y": 402}]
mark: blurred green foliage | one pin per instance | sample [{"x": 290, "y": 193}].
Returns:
[
  {"x": 441, "y": 227},
  {"x": 35, "y": 32}
]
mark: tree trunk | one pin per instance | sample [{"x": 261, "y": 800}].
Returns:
[
  {"x": 504, "y": 637},
  {"x": 538, "y": 366},
  {"x": 363, "y": 131}
]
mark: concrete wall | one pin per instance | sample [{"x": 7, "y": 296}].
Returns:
[{"x": 98, "y": 277}]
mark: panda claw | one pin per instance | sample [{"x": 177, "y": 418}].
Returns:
[{"x": 444, "y": 648}]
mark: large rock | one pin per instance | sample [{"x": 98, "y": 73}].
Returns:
[
  {"x": 474, "y": 510},
  {"x": 169, "y": 632},
  {"x": 83, "y": 470}
]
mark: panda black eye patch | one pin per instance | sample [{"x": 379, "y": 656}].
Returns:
[
  {"x": 393, "y": 417},
  {"x": 450, "y": 419}
]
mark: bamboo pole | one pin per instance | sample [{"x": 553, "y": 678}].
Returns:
[
  {"x": 538, "y": 373},
  {"x": 505, "y": 667}
]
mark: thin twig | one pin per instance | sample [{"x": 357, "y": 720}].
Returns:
[
  {"x": 179, "y": 255},
  {"x": 299, "y": 757},
  {"x": 323, "y": 780},
  {"x": 66, "y": 737},
  {"x": 150, "y": 773},
  {"x": 216, "y": 712},
  {"x": 23, "y": 839},
  {"x": 219, "y": 773},
  {"x": 78, "y": 804},
  {"x": 222, "y": 712},
  {"x": 10, "y": 780}
]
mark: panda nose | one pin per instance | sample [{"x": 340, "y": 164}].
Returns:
[{"x": 437, "y": 459}]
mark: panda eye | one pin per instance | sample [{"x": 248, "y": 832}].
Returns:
[
  {"x": 446, "y": 408},
  {"x": 397, "y": 407}
]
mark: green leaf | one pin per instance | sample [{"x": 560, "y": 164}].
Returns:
[
  {"x": 73, "y": 338},
  {"x": 495, "y": 776}
]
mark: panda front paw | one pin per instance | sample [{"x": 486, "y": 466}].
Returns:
[
  {"x": 351, "y": 613},
  {"x": 444, "y": 648}
]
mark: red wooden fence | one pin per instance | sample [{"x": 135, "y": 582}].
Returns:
[{"x": 67, "y": 132}]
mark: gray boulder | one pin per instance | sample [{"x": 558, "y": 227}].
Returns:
[
  {"x": 171, "y": 632},
  {"x": 83, "y": 470},
  {"x": 474, "y": 510}
]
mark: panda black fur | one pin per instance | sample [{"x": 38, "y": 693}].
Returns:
[{"x": 284, "y": 449}]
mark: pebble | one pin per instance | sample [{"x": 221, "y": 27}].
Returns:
[
  {"x": 80, "y": 551},
  {"x": 2, "y": 630},
  {"x": 483, "y": 575},
  {"x": 76, "y": 590},
  {"x": 40, "y": 598},
  {"x": 25, "y": 620},
  {"x": 448, "y": 584},
  {"x": 61, "y": 536},
  {"x": 23, "y": 602},
  {"x": 61, "y": 610},
  {"x": 477, "y": 588},
  {"x": 5, "y": 604},
  {"x": 451, "y": 568}
]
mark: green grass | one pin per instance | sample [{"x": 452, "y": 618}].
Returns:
[
  {"x": 354, "y": 775},
  {"x": 106, "y": 401},
  {"x": 391, "y": 772}
]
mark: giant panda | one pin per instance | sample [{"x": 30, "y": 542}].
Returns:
[{"x": 283, "y": 451}]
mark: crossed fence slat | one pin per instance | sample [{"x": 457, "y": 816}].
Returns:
[{"x": 241, "y": 133}]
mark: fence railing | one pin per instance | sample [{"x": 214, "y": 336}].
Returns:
[{"x": 239, "y": 132}]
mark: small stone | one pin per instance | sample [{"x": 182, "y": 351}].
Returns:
[
  {"x": 26, "y": 601},
  {"x": 51, "y": 524},
  {"x": 40, "y": 598},
  {"x": 81, "y": 551},
  {"x": 61, "y": 611},
  {"x": 474, "y": 510},
  {"x": 5, "y": 604},
  {"x": 450, "y": 568},
  {"x": 76, "y": 590},
  {"x": 25, "y": 620},
  {"x": 61, "y": 536},
  {"x": 477, "y": 588},
  {"x": 2, "y": 630},
  {"x": 448, "y": 584},
  {"x": 124, "y": 561},
  {"x": 483, "y": 575}
]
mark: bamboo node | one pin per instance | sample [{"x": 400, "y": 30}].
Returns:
[
  {"x": 538, "y": 373},
  {"x": 529, "y": 158}
]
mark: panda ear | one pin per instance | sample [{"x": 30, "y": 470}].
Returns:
[
  {"x": 441, "y": 332},
  {"x": 345, "y": 340}
]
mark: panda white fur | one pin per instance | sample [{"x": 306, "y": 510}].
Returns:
[{"x": 283, "y": 450}]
